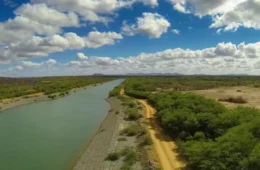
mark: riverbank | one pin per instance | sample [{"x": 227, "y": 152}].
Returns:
[
  {"x": 98, "y": 147},
  {"x": 34, "y": 98}
]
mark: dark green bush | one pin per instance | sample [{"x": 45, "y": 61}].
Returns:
[{"x": 113, "y": 156}]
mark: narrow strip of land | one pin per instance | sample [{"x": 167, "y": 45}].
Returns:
[{"x": 164, "y": 146}]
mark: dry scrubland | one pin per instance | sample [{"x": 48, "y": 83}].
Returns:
[
  {"x": 209, "y": 135},
  {"x": 249, "y": 94}
]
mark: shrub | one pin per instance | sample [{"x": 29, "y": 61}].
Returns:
[
  {"x": 147, "y": 141},
  {"x": 132, "y": 130},
  {"x": 233, "y": 100},
  {"x": 132, "y": 114},
  {"x": 113, "y": 156},
  {"x": 130, "y": 158},
  {"x": 52, "y": 96},
  {"x": 117, "y": 112}
]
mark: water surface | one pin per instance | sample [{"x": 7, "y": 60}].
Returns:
[{"x": 49, "y": 135}]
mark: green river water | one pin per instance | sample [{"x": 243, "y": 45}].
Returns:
[{"x": 50, "y": 135}]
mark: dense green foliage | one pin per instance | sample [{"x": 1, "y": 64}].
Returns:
[
  {"x": 210, "y": 136},
  {"x": 15, "y": 87}
]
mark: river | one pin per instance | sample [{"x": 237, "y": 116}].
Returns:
[{"x": 50, "y": 135}]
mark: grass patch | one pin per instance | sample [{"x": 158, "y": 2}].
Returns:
[{"x": 233, "y": 100}]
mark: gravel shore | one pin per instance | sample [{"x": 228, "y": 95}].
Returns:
[{"x": 98, "y": 148}]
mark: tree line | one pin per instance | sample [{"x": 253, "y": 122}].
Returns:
[{"x": 16, "y": 87}]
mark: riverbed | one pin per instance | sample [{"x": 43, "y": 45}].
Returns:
[{"x": 50, "y": 135}]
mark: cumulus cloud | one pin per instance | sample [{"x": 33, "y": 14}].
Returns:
[
  {"x": 226, "y": 14},
  {"x": 42, "y": 46},
  {"x": 225, "y": 58},
  {"x": 81, "y": 56},
  {"x": 244, "y": 15},
  {"x": 93, "y": 10},
  {"x": 35, "y": 19},
  {"x": 180, "y": 7},
  {"x": 151, "y": 24}
]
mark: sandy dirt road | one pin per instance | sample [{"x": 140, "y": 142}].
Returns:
[{"x": 164, "y": 146}]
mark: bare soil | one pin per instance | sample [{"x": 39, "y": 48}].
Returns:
[{"x": 250, "y": 94}]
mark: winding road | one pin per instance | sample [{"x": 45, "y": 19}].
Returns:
[{"x": 164, "y": 146}]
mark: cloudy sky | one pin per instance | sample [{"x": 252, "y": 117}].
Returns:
[{"x": 81, "y": 37}]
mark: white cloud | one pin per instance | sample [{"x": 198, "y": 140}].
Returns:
[
  {"x": 151, "y": 24},
  {"x": 48, "y": 16},
  {"x": 35, "y": 19},
  {"x": 226, "y": 14},
  {"x": 176, "y": 31},
  {"x": 97, "y": 39},
  {"x": 179, "y": 7},
  {"x": 245, "y": 14},
  {"x": 42, "y": 46},
  {"x": 93, "y": 10},
  {"x": 29, "y": 64},
  {"x": 81, "y": 56},
  {"x": 51, "y": 62},
  {"x": 225, "y": 58}
]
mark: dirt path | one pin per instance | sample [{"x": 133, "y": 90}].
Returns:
[{"x": 163, "y": 145}]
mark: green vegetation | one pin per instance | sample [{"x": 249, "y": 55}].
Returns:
[
  {"x": 113, "y": 156},
  {"x": 210, "y": 136},
  {"x": 130, "y": 157},
  {"x": 16, "y": 87},
  {"x": 132, "y": 130},
  {"x": 132, "y": 114},
  {"x": 116, "y": 91},
  {"x": 146, "y": 141}
]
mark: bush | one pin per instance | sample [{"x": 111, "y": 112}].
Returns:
[
  {"x": 113, "y": 156},
  {"x": 132, "y": 114},
  {"x": 52, "y": 96},
  {"x": 130, "y": 158},
  {"x": 233, "y": 100},
  {"x": 132, "y": 130},
  {"x": 147, "y": 141}
]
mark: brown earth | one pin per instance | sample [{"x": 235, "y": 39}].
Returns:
[{"x": 250, "y": 94}]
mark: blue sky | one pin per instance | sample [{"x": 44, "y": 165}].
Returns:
[{"x": 45, "y": 37}]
